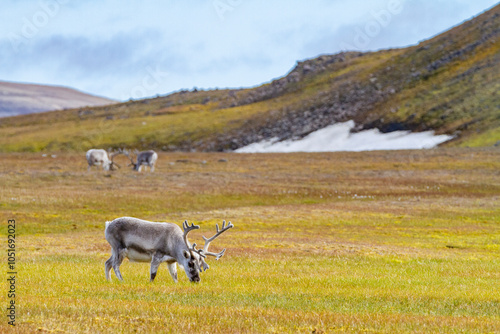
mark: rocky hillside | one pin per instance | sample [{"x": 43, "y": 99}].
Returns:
[
  {"x": 18, "y": 98},
  {"x": 449, "y": 84}
]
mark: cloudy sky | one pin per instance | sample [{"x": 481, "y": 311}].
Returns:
[{"x": 123, "y": 48}]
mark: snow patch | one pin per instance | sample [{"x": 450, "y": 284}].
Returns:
[{"x": 338, "y": 137}]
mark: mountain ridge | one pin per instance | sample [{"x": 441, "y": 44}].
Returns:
[
  {"x": 448, "y": 84},
  {"x": 18, "y": 98}
]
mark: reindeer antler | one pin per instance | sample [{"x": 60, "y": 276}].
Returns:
[
  {"x": 199, "y": 251},
  {"x": 192, "y": 248},
  {"x": 127, "y": 154},
  {"x": 188, "y": 229},
  {"x": 113, "y": 155},
  {"x": 209, "y": 240}
]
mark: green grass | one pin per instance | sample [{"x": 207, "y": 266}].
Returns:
[
  {"x": 487, "y": 138},
  {"x": 403, "y": 241}
]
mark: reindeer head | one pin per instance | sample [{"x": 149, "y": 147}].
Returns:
[
  {"x": 113, "y": 165},
  {"x": 190, "y": 255},
  {"x": 109, "y": 165},
  {"x": 134, "y": 165},
  {"x": 195, "y": 258}
]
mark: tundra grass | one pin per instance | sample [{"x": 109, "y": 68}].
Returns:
[{"x": 403, "y": 241}]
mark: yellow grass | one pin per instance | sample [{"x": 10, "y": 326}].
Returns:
[{"x": 385, "y": 242}]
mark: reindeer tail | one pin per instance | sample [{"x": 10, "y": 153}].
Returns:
[{"x": 106, "y": 228}]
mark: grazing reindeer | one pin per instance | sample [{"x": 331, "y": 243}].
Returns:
[
  {"x": 144, "y": 241},
  {"x": 147, "y": 158},
  {"x": 100, "y": 157}
]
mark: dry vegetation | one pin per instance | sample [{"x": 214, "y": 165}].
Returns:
[{"x": 404, "y": 241}]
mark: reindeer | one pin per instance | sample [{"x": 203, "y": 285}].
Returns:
[
  {"x": 100, "y": 157},
  {"x": 147, "y": 158},
  {"x": 144, "y": 241}
]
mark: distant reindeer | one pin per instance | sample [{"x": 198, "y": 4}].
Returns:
[
  {"x": 144, "y": 158},
  {"x": 144, "y": 241},
  {"x": 97, "y": 157}
]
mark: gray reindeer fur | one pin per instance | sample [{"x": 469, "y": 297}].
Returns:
[{"x": 144, "y": 241}]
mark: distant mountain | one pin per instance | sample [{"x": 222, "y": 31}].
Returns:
[
  {"x": 20, "y": 98},
  {"x": 449, "y": 84}
]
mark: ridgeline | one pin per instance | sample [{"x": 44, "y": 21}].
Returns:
[{"x": 448, "y": 84}]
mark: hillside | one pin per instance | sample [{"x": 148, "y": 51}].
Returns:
[
  {"x": 19, "y": 98},
  {"x": 448, "y": 84}
]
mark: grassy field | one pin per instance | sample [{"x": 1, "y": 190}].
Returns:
[{"x": 385, "y": 242}]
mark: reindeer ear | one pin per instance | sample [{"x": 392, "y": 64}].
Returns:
[{"x": 186, "y": 254}]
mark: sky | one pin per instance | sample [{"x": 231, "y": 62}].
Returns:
[{"x": 124, "y": 49}]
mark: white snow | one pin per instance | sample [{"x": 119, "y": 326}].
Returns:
[{"x": 337, "y": 137}]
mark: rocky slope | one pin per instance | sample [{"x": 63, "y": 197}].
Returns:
[{"x": 448, "y": 84}]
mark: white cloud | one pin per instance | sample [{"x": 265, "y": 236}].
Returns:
[{"x": 107, "y": 47}]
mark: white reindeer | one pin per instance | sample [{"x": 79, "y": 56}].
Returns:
[
  {"x": 144, "y": 241},
  {"x": 144, "y": 158},
  {"x": 100, "y": 157}
]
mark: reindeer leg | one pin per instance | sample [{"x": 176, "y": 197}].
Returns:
[
  {"x": 109, "y": 264},
  {"x": 107, "y": 267},
  {"x": 155, "y": 263},
  {"x": 119, "y": 257},
  {"x": 172, "y": 268}
]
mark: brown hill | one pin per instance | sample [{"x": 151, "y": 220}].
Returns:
[
  {"x": 448, "y": 84},
  {"x": 20, "y": 98}
]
